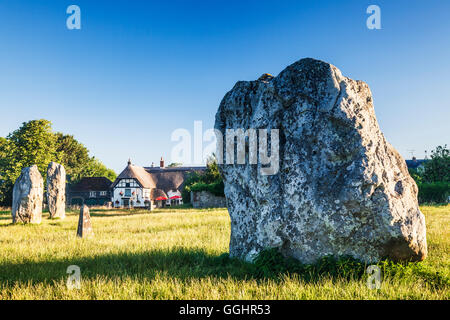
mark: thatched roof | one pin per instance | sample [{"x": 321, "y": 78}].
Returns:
[
  {"x": 138, "y": 173},
  {"x": 168, "y": 181},
  {"x": 156, "y": 193},
  {"x": 159, "y": 180},
  {"x": 91, "y": 184},
  {"x": 171, "y": 179}
]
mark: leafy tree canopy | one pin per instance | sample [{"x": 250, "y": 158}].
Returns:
[
  {"x": 433, "y": 179},
  {"x": 174, "y": 164},
  {"x": 210, "y": 180},
  {"x": 34, "y": 143},
  {"x": 437, "y": 169}
]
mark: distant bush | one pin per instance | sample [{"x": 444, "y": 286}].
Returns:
[
  {"x": 216, "y": 188},
  {"x": 436, "y": 192},
  {"x": 433, "y": 179},
  {"x": 438, "y": 168},
  {"x": 416, "y": 175},
  {"x": 210, "y": 181}
]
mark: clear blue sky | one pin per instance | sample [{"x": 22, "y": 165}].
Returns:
[{"x": 137, "y": 70}]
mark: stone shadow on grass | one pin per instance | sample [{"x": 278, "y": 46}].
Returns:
[{"x": 7, "y": 224}]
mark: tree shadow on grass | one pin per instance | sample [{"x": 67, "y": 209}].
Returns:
[
  {"x": 178, "y": 263},
  {"x": 137, "y": 212},
  {"x": 124, "y": 214},
  {"x": 186, "y": 264},
  {"x": 5, "y": 215}
]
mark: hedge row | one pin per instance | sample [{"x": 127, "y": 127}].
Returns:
[
  {"x": 436, "y": 192},
  {"x": 216, "y": 188}
]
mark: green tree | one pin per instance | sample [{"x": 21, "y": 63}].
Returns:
[
  {"x": 73, "y": 155},
  {"x": 3, "y": 153},
  {"x": 4, "y": 183},
  {"x": 416, "y": 175},
  {"x": 97, "y": 169},
  {"x": 174, "y": 164},
  {"x": 212, "y": 173},
  {"x": 437, "y": 169},
  {"x": 34, "y": 143},
  {"x": 210, "y": 180}
]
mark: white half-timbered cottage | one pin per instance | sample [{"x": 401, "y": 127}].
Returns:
[{"x": 150, "y": 187}]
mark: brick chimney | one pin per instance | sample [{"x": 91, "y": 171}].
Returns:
[{"x": 161, "y": 162}]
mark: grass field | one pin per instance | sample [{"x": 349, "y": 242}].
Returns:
[{"x": 182, "y": 254}]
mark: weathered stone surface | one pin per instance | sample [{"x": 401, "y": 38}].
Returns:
[
  {"x": 56, "y": 190},
  {"x": 84, "y": 223},
  {"x": 341, "y": 190},
  {"x": 28, "y": 194}
]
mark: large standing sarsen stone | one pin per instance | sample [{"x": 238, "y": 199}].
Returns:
[
  {"x": 28, "y": 194},
  {"x": 56, "y": 190},
  {"x": 341, "y": 188}
]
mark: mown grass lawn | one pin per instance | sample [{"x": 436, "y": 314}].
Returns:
[{"x": 182, "y": 254}]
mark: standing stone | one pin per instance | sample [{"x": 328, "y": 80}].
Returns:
[
  {"x": 28, "y": 194},
  {"x": 84, "y": 223},
  {"x": 56, "y": 190},
  {"x": 341, "y": 188}
]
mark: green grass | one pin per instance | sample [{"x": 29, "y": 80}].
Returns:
[{"x": 182, "y": 254}]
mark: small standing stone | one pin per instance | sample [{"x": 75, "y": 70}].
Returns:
[
  {"x": 84, "y": 223},
  {"x": 56, "y": 190},
  {"x": 28, "y": 194}
]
